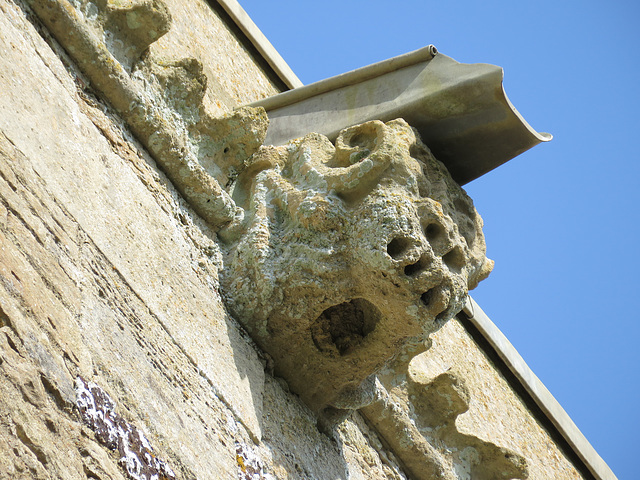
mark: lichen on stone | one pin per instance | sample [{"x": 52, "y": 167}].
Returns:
[
  {"x": 250, "y": 465},
  {"x": 136, "y": 454}
]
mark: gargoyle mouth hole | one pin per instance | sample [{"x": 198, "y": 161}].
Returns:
[
  {"x": 342, "y": 328},
  {"x": 398, "y": 246}
]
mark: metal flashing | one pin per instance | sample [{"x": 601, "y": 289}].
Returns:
[{"x": 460, "y": 110}]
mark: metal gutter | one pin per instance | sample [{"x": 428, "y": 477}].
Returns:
[
  {"x": 539, "y": 393},
  {"x": 460, "y": 110},
  {"x": 349, "y": 78},
  {"x": 260, "y": 42}
]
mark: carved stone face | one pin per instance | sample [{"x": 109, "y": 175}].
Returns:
[{"x": 346, "y": 253}]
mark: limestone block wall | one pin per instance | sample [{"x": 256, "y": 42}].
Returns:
[
  {"x": 108, "y": 275},
  {"x": 117, "y": 357}
]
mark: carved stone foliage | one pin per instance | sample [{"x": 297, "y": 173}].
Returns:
[
  {"x": 161, "y": 99},
  {"x": 345, "y": 253}
]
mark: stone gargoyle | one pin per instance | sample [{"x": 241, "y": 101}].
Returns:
[
  {"x": 344, "y": 254},
  {"x": 339, "y": 256}
]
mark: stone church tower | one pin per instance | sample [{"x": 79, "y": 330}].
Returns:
[{"x": 211, "y": 271}]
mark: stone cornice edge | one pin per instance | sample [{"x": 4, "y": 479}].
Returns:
[
  {"x": 539, "y": 393},
  {"x": 260, "y": 42}
]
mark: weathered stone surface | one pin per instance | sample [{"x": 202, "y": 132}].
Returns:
[
  {"x": 173, "y": 124},
  {"x": 236, "y": 77},
  {"x": 345, "y": 253},
  {"x": 495, "y": 414},
  {"x": 135, "y": 249},
  {"x": 107, "y": 274},
  {"x": 136, "y": 455},
  {"x": 130, "y": 27},
  {"x": 417, "y": 417}
]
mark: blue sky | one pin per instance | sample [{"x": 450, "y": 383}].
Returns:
[{"x": 561, "y": 220}]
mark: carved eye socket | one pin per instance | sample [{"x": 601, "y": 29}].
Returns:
[
  {"x": 356, "y": 143},
  {"x": 358, "y": 140},
  {"x": 398, "y": 247},
  {"x": 438, "y": 237},
  {"x": 363, "y": 138},
  {"x": 417, "y": 267},
  {"x": 454, "y": 259},
  {"x": 427, "y": 297},
  {"x": 434, "y": 232}
]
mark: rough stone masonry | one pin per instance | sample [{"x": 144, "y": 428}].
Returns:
[{"x": 129, "y": 184}]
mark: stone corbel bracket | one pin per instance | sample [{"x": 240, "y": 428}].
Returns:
[{"x": 160, "y": 100}]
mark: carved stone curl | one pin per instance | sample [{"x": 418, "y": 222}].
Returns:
[{"x": 344, "y": 254}]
